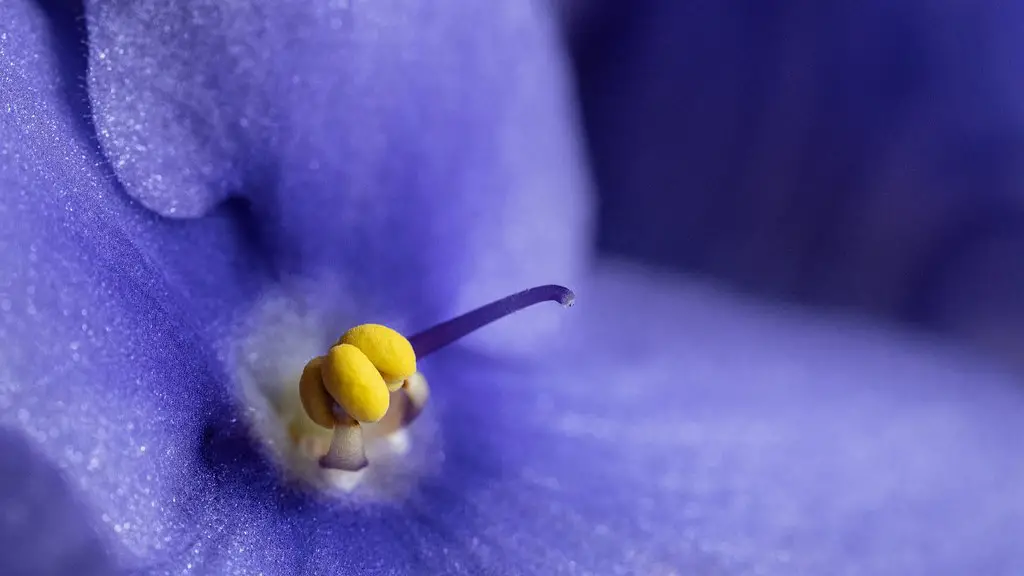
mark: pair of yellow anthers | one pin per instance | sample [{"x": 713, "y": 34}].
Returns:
[{"x": 353, "y": 383}]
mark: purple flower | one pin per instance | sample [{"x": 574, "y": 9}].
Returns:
[{"x": 196, "y": 196}]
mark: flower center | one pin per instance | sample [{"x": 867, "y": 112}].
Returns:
[{"x": 345, "y": 414}]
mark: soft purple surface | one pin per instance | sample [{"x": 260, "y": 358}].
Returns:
[
  {"x": 326, "y": 118},
  {"x": 864, "y": 154},
  {"x": 679, "y": 429}
]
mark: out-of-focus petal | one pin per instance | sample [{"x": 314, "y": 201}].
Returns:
[
  {"x": 820, "y": 151},
  {"x": 689, "y": 432},
  {"x": 43, "y": 529}
]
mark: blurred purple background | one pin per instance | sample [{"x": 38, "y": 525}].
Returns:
[{"x": 861, "y": 155}]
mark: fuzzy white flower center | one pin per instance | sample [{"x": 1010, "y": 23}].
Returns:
[{"x": 268, "y": 350}]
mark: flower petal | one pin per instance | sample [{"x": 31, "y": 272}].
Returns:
[
  {"x": 683, "y": 431},
  {"x": 419, "y": 152},
  {"x": 108, "y": 312},
  {"x": 43, "y": 529}
]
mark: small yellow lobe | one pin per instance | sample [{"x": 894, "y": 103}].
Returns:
[
  {"x": 315, "y": 399},
  {"x": 390, "y": 352},
  {"x": 353, "y": 381}
]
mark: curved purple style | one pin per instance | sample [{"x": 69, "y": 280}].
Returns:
[
  {"x": 445, "y": 333},
  {"x": 166, "y": 165}
]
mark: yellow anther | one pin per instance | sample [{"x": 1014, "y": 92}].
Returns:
[
  {"x": 315, "y": 399},
  {"x": 353, "y": 381},
  {"x": 388, "y": 350}
]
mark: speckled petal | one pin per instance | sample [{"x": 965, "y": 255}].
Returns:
[
  {"x": 109, "y": 313},
  {"x": 418, "y": 151}
]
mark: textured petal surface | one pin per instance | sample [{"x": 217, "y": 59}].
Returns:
[
  {"x": 421, "y": 151},
  {"x": 108, "y": 312}
]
